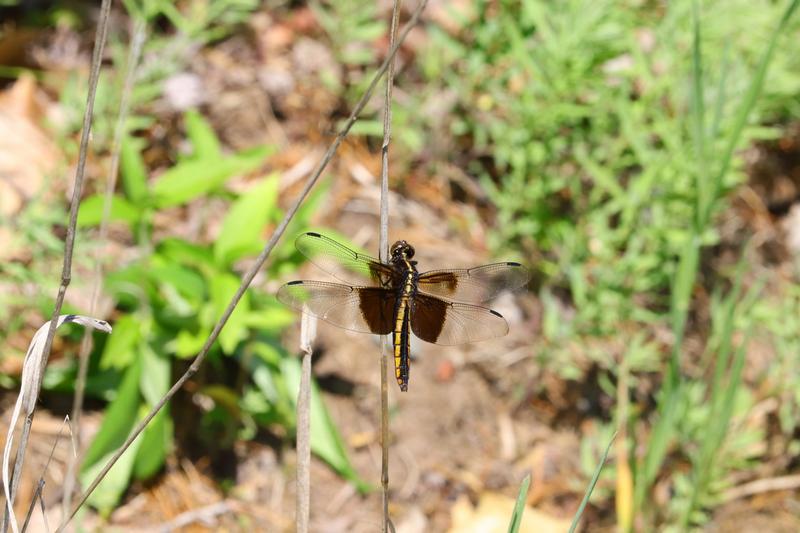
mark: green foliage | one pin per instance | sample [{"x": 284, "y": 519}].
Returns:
[
  {"x": 591, "y": 154},
  {"x": 607, "y": 138},
  {"x": 171, "y": 298}
]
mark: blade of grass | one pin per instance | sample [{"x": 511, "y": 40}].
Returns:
[
  {"x": 247, "y": 278},
  {"x": 591, "y": 486},
  {"x": 519, "y": 507},
  {"x": 753, "y": 92}
]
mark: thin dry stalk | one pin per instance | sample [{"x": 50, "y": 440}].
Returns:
[
  {"x": 38, "y": 497},
  {"x": 308, "y": 331},
  {"x": 137, "y": 42},
  {"x": 383, "y": 253},
  {"x": 247, "y": 278},
  {"x": 66, "y": 271}
]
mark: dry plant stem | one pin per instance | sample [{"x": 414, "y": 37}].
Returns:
[
  {"x": 137, "y": 42},
  {"x": 66, "y": 271},
  {"x": 303, "y": 504},
  {"x": 384, "y": 255},
  {"x": 760, "y": 486},
  {"x": 247, "y": 278}
]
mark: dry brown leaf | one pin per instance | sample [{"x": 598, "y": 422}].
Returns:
[{"x": 27, "y": 154}]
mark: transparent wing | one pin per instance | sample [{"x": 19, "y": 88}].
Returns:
[
  {"x": 475, "y": 285},
  {"x": 364, "y": 309},
  {"x": 330, "y": 255},
  {"x": 442, "y": 322}
]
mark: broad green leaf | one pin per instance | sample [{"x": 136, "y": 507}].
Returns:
[
  {"x": 108, "y": 493},
  {"x": 157, "y": 437},
  {"x": 189, "y": 254},
  {"x": 223, "y": 287},
  {"x": 91, "y": 211},
  {"x": 242, "y": 226},
  {"x": 119, "y": 419},
  {"x": 271, "y": 320},
  {"x": 121, "y": 347},
  {"x": 202, "y": 136},
  {"x": 133, "y": 171},
  {"x": 188, "y": 344},
  {"x": 325, "y": 439},
  {"x": 186, "y": 282},
  {"x": 155, "y": 444},
  {"x": 156, "y": 375},
  {"x": 190, "y": 179}
]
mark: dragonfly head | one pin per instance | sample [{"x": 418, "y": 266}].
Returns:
[{"x": 402, "y": 250}]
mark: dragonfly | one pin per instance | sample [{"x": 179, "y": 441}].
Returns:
[{"x": 438, "y": 306}]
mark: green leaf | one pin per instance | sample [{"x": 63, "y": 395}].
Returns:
[
  {"x": 119, "y": 420},
  {"x": 325, "y": 439},
  {"x": 133, "y": 171},
  {"x": 190, "y": 179},
  {"x": 91, "y": 211},
  {"x": 108, "y": 493},
  {"x": 155, "y": 444},
  {"x": 519, "y": 507},
  {"x": 155, "y": 379},
  {"x": 223, "y": 287},
  {"x": 188, "y": 344},
  {"x": 157, "y": 437},
  {"x": 202, "y": 136},
  {"x": 186, "y": 282},
  {"x": 120, "y": 349},
  {"x": 242, "y": 226}
]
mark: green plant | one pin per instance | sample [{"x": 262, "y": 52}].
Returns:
[
  {"x": 607, "y": 137},
  {"x": 169, "y": 299}
]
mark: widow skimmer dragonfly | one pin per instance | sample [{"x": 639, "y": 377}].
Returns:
[{"x": 437, "y": 306}]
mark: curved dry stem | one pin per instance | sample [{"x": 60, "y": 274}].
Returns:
[
  {"x": 247, "y": 278},
  {"x": 66, "y": 271}
]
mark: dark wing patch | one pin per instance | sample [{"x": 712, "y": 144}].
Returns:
[
  {"x": 364, "y": 309},
  {"x": 475, "y": 285},
  {"x": 442, "y": 322},
  {"x": 330, "y": 256}
]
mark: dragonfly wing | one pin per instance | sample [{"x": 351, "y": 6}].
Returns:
[
  {"x": 330, "y": 256},
  {"x": 442, "y": 322},
  {"x": 474, "y": 285},
  {"x": 364, "y": 309}
]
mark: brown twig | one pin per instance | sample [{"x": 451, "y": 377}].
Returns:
[
  {"x": 762, "y": 485},
  {"x": 247, "y": 278},
  {"x": 384, "y": 255},
  {"x": 66, "y": 271}
]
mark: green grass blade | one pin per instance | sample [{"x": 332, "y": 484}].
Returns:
[
  {"x": 753, "y": 92},
  {"x": 698, "y": 120},
  {"x": 591, "y": 486},
  {"x": 519, "y": 507}
]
